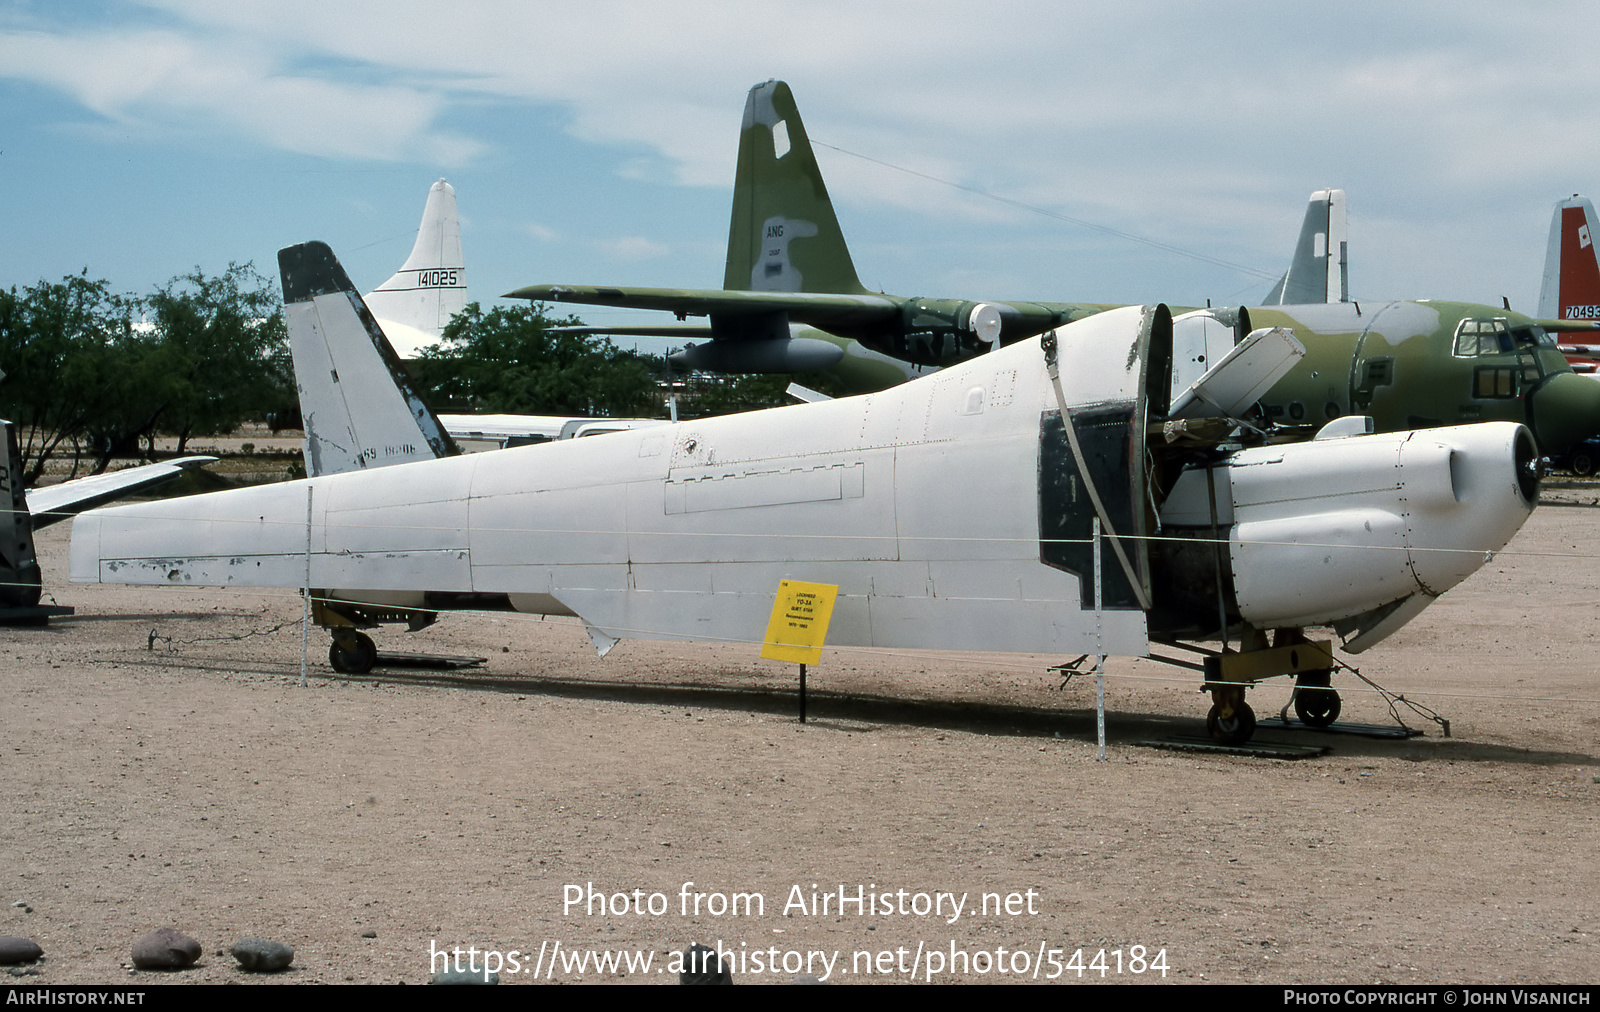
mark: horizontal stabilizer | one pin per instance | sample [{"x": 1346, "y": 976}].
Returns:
[
  {"x": 802, "y": 307},
  {"x": 68, "y": 499},
  {"x": 805, "y": 394}
]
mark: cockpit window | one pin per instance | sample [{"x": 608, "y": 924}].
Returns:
[
  {"x": 1533, "y": 336},
  {"x": 1475, "y": 338}
]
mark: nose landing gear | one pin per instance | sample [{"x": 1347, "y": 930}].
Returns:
[
  {"x": 1314, "y": 703},
  {"x": 1231, "y": 721}
]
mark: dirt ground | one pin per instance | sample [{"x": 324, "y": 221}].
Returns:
[{"x": 165, "y": 768}]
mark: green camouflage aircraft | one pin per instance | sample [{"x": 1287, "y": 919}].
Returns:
[{"x": 792, "y": 302}]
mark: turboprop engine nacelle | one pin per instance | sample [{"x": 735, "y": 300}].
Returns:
[
  {"x": 1356, "y": 532},
  {"x": 779, "y": 355}
]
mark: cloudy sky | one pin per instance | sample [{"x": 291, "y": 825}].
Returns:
[{"x": 595, "y": 142}]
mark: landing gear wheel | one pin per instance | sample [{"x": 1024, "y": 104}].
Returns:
[
  {"x": 1236, "y": 730},
  {"x": 353, "y": 656},
  {"x": 1583, "y": 463},
  {"x": 1316, "y": 707}
]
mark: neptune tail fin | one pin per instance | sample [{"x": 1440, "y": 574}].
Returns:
[{"x": 431, "y": 287}]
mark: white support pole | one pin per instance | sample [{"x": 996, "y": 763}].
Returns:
[
  {"x": 1099, "y": 649},
  {"x": 305, "y": 620}
]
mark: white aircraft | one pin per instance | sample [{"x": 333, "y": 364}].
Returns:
[
  {"x": 431, "y": 286},
  {"x": 412, "y": 309},
  {"x": 953, "y": 512}
]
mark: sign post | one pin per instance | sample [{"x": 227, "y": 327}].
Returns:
[{"x": 798, "y": 626}]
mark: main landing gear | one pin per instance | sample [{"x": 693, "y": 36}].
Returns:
[
  {"x": 1231, "y": 721},
  {"x": 352, "y": 653}
]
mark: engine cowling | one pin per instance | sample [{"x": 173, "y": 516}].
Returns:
[{"x": 1351, "y": 532}]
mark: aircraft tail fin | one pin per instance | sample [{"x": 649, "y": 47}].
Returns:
[
  {"x": 415, "y": 304},
  {"x": 359, "y": 407},
  {"x": 1319, "y": 271},
  {"x": 784, "y": 235},
  {"x": 1571, "y": 288},
  {"x": 19, "y": 563}
]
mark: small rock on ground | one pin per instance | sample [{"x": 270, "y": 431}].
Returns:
[
  {"x": 165, "y": 949},
  {"x": 262, "y": 955}
]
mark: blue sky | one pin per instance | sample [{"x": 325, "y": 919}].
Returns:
[{"x": 595, "y": 142}]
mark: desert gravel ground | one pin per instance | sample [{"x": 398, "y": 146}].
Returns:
[{"x": 164, "y": 767}]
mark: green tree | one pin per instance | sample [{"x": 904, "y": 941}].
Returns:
[
  {"x": 81, "y": 372},
  {"x": 512, "y": 360},
  {"x": 210, "y": 353},
  {"x": 60, "y": 350},
  {"x": 220, "y": 353}
]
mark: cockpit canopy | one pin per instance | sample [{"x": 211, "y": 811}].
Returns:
[{"x": 1496, "y": 336}]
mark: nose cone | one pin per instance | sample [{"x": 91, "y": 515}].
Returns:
[
  {"x": 1566, "y": 410},
  {"x": 1493, "y": 485}
]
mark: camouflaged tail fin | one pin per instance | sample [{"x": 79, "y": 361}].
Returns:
[{"x": 784, "y": 236}]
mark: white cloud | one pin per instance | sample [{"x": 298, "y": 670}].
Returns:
[
  {"x": 632, "y": 248},
  {"x": 1195, "y": 124},
  {"x": 168, "y": 81}
]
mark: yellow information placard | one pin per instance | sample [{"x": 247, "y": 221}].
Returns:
[{"x": 799, "y": 622}]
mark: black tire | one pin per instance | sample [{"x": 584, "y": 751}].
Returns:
[
  {"x": 355, "y": 659},
  {"x": 1582, "y": 463},
  {"x": 1317, "y": 707},
  {"x": 1236, "y": 730}
]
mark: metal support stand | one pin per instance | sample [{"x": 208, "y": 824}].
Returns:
[
  {"x": 305, "y": 621},
  {"x": 802, "y": 693},
  {"x": 1099, "y": 650}
]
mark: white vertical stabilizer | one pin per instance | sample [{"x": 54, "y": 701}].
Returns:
[
  {"x": 358, "y": 405},
  {"x": 414, "y": 305},
  {"x": 1319, "y": 271}
]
